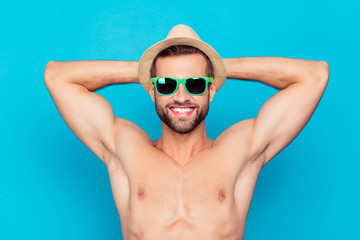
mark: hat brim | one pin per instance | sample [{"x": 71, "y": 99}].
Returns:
[{"x": 148, "y": 56}]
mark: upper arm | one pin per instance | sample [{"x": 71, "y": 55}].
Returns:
[
  {"x": 88, "y": 115},
  {"x": 285, "y": 114}
]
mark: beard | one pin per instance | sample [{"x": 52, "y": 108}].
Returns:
[{"x": 181, "y": 125}]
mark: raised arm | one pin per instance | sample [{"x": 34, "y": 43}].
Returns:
[
  {"x": 283, "y": 116},
  {"x": 89, "y": 116}
]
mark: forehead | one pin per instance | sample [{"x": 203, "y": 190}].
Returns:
[{"x": 181, "y": 66}]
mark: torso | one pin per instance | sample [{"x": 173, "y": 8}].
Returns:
[{"x": 208, "y": 198}]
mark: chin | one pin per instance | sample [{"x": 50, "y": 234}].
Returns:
[{"x": 182, "y": 125}]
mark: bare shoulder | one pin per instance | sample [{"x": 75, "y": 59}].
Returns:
[
  {"x": 127, "y": 136},
  {"x": 235, "y": 142},
  {"x": 127, "y": 130},
  {"x": 234, "y": 147},
  {"x": 239, "y": 133}
]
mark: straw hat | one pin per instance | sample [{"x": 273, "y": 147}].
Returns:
[{"x": 180, "y": 35}]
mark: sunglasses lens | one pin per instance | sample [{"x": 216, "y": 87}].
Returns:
[
  {"x": 195, "y": 85},
  {"x": 166, "y": 85}
]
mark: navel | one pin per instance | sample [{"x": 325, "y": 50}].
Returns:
[
  {"x": 221, "y": 195},
  {"x": 141, "y": 194}
]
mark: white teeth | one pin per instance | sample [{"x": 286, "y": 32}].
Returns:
[{"x": 182, "y": 110}]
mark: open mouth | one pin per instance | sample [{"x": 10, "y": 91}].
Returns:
[{"x": 182, "y": 111}]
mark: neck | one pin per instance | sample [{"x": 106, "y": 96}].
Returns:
[{"x": 181, "y": 147}]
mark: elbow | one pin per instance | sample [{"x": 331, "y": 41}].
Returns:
[
  {"x": 323, "y": 73},
  {"x": 317, "y": 74},
  {"x": 49, "y": 72}
]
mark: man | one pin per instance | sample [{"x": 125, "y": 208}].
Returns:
[{"x": 185, "y": 185}]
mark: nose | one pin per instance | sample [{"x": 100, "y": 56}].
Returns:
[{"x": 181, "y": 95}]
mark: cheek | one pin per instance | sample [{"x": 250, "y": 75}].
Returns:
[
  {"x": 160, "y": 101},
  {"x": 205, "y": 99}
]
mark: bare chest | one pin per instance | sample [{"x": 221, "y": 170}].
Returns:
[
  {"x": 172, "y": 192},
  {"x": 160, "y": 197},
  {"x": 169, "y": 199},
  {"x": 176, "y": 187}
]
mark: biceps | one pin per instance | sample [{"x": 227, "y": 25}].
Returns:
[
  {"x": 88, "y": 115},
  {"x": 283, "y": 116}
]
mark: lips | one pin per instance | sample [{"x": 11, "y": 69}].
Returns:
[{"x": 182, "y": 111}]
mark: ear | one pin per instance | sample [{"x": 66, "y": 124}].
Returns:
[
  {"x": 212, "y": 90},
  {"x": 152, "y": 92}
]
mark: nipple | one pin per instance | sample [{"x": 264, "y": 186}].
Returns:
[
  {"x": 221, "y": 195},
  {"x": 141, "y": 194}
]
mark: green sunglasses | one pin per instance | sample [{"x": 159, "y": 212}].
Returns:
[{"x": 192, "y": 85}]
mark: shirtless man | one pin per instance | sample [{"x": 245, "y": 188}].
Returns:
[{"x": 185, "y": 185}]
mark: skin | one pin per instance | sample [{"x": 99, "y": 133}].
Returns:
[{"x": 185, "y": 186}]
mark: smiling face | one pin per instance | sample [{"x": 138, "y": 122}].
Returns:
[{"x": 182, "y": 112}]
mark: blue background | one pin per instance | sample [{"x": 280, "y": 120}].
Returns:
[{"x": 53, "y": 187}]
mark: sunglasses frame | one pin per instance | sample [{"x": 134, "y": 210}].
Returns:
[{"x": 183, "y": 81}]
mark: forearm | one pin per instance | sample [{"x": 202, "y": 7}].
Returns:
[
  {"x": 92, "y": 74},
  {"x": 277, "y": 72}
]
